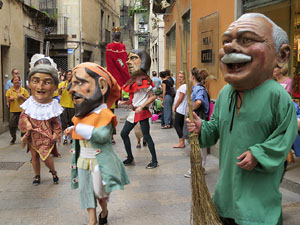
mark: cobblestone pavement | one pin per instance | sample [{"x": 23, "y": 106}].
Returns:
[{"x": 160, "y": 196}]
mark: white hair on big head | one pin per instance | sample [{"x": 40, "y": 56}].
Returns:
[
  {"x": 36, "y": 57},
  {"x": 279, "y": 35}
]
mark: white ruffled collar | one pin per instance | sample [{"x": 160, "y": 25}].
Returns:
[{"x": 40, "y": 111}]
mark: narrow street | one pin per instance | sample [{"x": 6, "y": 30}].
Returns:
[{"x": 160, "y": 196}]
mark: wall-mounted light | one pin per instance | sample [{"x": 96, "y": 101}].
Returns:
[{"x": 1, "y": 4}]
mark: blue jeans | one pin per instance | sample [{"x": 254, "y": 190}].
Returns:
[{"x": 168, "y": 109}]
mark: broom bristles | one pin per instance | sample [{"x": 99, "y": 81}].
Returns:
[{"x": 203, "y": 211}]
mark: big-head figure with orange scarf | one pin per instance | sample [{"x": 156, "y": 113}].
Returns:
[{"x": 96, "y": 169}]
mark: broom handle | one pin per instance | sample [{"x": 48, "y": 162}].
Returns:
[
  {"x": 188, "y": 92},
  {"x": 187, "y": 80}
]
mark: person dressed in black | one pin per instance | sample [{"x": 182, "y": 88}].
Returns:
[{"x": 167, "y": 101}]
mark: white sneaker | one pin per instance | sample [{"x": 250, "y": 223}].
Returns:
[{"x": 188, "y": 174}]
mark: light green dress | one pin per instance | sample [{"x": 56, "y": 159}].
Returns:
[
  {"x": 112, "y": 170},
  {"x": 267, "y": 126}
]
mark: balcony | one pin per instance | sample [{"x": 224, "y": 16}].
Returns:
[
  {"x": 47, "y": 4},
  {"x": 60, "y": 30},
  {"x": 39, "y": 16}
]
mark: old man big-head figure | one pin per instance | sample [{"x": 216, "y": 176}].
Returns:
[
  {"x": 252, "y": 47},
  {"x": 254, "y": 118}
]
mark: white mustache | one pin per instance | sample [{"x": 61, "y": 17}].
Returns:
[{"x": 235, "y": 58}]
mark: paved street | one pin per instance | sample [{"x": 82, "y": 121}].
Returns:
[{"x": 160, "y": 196}]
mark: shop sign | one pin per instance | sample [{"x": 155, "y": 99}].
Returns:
[
  {"x": 250, "y": 4},
  {"x": 206, "y": 52},
  {"x": 208, "y": 39}
]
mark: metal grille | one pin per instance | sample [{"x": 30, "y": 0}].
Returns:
[
  {"x": 10, "y": 165},
  {"x": 61, "y": 61}
]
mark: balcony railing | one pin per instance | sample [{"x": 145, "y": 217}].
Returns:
[
  {"x": 61, "y": 27},
  {"x": 47, "y": 4}
]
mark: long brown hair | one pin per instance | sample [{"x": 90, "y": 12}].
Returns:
[{"x": 200, "y": 75}]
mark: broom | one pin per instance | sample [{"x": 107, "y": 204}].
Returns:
[{"x": 203, "y": 211}]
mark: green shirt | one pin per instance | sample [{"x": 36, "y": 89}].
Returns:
[{"x": 267, "y": 126}]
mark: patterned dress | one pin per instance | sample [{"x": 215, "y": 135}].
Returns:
[{"x": 44, "y": 122}]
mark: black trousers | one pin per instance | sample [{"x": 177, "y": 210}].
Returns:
[
  {"x": 145, "y": 127},
  {"x": 178, "y": 124}
]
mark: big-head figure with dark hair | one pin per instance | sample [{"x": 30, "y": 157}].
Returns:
[
  {"x": 93, "y": 91},
  {"x": 140, "y": 88}
]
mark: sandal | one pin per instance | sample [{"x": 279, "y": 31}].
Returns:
[
  {"x": 54, "y": 176},
  {"x": 36, "y": 180},
  {"x": 138, "y": 145},
  {"x": 166, "y": 127}
]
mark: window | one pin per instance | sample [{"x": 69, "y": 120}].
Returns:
[{"x": 171, "y": 49}]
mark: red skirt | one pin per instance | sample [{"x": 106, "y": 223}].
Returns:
[{"x": 144, "y": 114}]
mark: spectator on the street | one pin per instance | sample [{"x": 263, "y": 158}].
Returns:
[
  {"x": 180, "y": 109},
  {"x": 66, "y": 102},
  {"x": 200, "y": 99},
  {"x": 170, "y": 77},
  {"x": 167, "y": 100},
  {"x": 281, "y": 76},
  {"x": 156, "y": 81},
  {"x": 61, "y": 74},
  {"x": 15, "y": 96},
  {"x": 9, "y": 83},
  {"x": 254, "y": 118}
]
